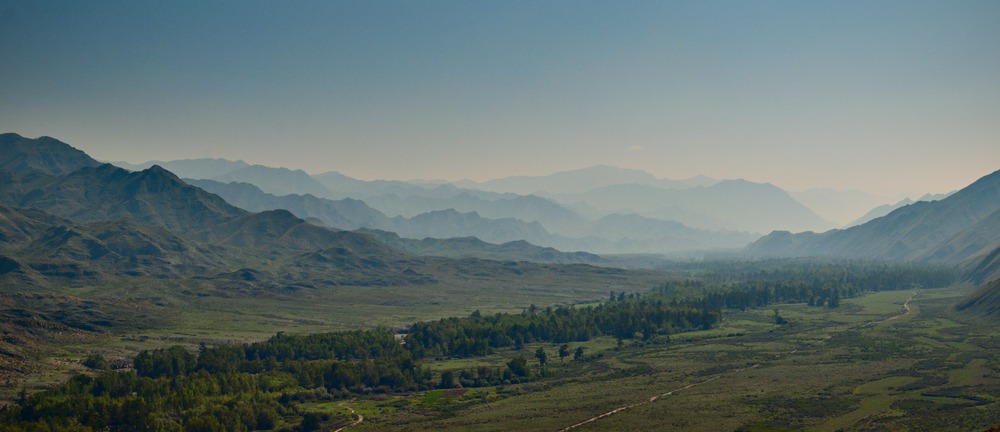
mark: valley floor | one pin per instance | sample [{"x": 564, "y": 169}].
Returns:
[
  {"x": 902, "y": 360},
  {"x": 891, "y": 360}
]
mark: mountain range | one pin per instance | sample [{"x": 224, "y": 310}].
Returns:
[
  {"x": 582, "y": 180},
  {"x": 961, "y": 229},
  {"x": 736, "y": 205},
  {"x": 68, "y": 217},
  {"x": 571, "y": 209},
  {"x": 615, "y": 233},
  {"x": 101, "y": 214},
  {"x": 72, "y": 220}
]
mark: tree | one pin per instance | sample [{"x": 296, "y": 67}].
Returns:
[
  {"x": 267, "y": 419},
  {"x": 310, "y": 422},
  {"x": 519, "y": 366},
  {"x": 447, "y": 380},
  {"x": 648, "y": 330},
  {"x": 563, "y": 352},
  {"x": 96, "y": 361},
  {"x": 541, "y": 356},
  {"x": 578, "y": 354},
  {"x": 778, "y": 319}
]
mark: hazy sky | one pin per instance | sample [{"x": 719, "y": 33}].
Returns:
[{"x": 884, "y": 96}]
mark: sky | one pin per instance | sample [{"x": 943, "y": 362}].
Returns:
[{"x": 889, "y": 97}]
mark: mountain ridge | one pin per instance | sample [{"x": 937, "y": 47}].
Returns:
[
  {"x": 44, "y": 155},
  {"x": 914, "y": 232}
]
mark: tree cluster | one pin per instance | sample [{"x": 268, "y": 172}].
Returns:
[
  {"x": 479, "y": 335},
  {"x": 818, "y": 283}
]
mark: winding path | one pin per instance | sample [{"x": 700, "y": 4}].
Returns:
[
  {"x": 360, "y": 419},
  {"x": 906, "y": 307}
]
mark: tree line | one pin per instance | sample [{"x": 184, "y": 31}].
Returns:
[
  {"x": 741, "y": 285},
  {"x": 479, "y": 335}
]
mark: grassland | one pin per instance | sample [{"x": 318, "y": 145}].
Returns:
[
  {"x": 868, "y": 365},
  {"x": 148, "y": 313},
  {"x": 895, "y": 360}
]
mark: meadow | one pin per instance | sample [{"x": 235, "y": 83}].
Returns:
[
  {"x": 887, "y": 360},
  {"x": 869, "y": 365}
]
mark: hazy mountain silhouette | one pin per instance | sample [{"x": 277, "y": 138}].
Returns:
[
  {"x": 191, "y": 168},
  {"x": 879, "y": 211},
  {"x": 841, "y": 207},
  {"x": 452, "y": 223},
  {"x": 581, "y": 180},
  {"x": 347, "y": 214},
  {"x": 485, "y": 214},
  {"x": 472, "y": 247},
  {"x": 342, "y": 186},
  {"x": 350, "y": 214},
  {"x": 614, "y": 234},
  {"x": 883, "y": 210},
  {"x": 730, "y": 204},
  {"x": 278, "y": 181},
  {"x": 633, "y": 233},
  {"x": 528, "y": 208}
]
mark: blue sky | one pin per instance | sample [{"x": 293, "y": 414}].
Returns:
[{"x": 885, "y": 96}]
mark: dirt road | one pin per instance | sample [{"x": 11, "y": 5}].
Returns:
[{"x": 360, "y": 419}]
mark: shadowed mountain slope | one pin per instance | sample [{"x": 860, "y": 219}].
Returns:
[
  {"x": 107, "y": 220},
  {"x": 41, "y": 155},
  {"x": 53, "y": 246},
  {"x": 985, "y": 301},
  {"x": 949, "y": 230},
  {"x": 983, "y": 268},
  {"x": 153, "y": 196}
]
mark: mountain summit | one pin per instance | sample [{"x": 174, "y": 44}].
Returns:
[{"x": 41, "y": 155}]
